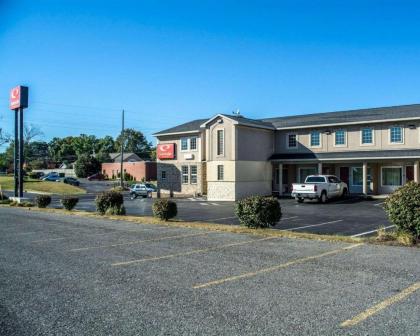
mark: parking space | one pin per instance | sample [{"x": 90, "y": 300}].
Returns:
[{"x": 84, "y": 276}]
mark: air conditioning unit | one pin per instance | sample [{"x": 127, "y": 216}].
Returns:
[{"x": 189, "y": 156}]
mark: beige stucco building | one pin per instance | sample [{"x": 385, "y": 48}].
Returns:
[{"x": 228, "y": 157}]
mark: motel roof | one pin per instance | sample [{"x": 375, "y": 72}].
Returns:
[{"x": 325, "y": 119}]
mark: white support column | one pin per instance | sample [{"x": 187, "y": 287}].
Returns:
[
  {"x": 416, "y": 171},
  {"x": 365, "y": 182},
  {"x": 320, "y": 168},
  {"x": 280, "y": 179}
]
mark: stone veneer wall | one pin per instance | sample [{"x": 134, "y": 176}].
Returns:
[{"x": 173, "y": 179}]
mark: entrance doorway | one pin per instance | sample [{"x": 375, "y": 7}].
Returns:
[{"x": 409, "y": 173}]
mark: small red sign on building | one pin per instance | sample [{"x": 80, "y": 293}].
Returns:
[
  {"x": 166, "y": 151},
  {"x": 19, "y": 97}
]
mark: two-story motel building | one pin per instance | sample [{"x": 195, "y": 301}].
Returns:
[{"x": 228, "y": 157}]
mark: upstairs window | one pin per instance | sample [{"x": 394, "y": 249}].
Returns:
[
  {"x": 396, "y": 135},
  {"x": 220, "y": 142},
  {"x": 291, "y": 140},
  {"x": 163, "y": 174},
  {"x": 188, "y": 144},
  {"x": 184, "y": 144},
  {"x": 315, "y": 139},
  {"x": 340, "y": 138},
  {"x": 193, "y": 143},
  {"x": 367, "y": 136}
]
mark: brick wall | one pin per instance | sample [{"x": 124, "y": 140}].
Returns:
[{"x": 139, "y": 170}]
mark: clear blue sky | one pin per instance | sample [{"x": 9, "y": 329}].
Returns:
[{"x": 167, "y": 62}]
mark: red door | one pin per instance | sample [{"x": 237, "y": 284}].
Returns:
[
  {"x": 409, "y": 173},
  {"x": 344, "y": 174}
]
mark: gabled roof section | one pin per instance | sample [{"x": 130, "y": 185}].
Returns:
[
  {"x": 240, "y": 120},
  {"x": 379, "y": 114},
  {"x": 188, "y": 127}
]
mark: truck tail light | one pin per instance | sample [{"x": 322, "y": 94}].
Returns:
[{"x": 315, "y": 188}]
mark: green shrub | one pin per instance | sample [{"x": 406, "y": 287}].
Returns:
[
  {"x": 42, "y": 201},
  {"x": 258, "y": 211},
  {"x": 109, "y": 199},
  {"x": 403, "y": 208},
  {"x": 164, "y": 209},
  {"x": 69, "y": 202},
  {"x": 26, "y": 204},
  {"x": 5, "y": 201},
  {"x": 116, "y": 210}
]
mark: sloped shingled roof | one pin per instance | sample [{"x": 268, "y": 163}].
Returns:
[
  {"x": 351, "y": 116},
  {"x": 187, "y": 127},
  {"x": 308, "y": 120}
]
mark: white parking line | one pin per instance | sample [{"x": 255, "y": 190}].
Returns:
[
  {"x": 377, "y": 204},
  {"x": 289, "y": 217},
  {"x": 204, "y": 204},
  {"x": 368, "y": 232},
  {"x": 308, "y": 226},
  {"x": 214, "y": 204}
]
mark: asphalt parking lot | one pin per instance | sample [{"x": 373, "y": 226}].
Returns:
[
  {"x": 353, "y": 216},
  {"x": 69, "y": 275}
]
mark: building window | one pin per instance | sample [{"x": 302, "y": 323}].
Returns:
[
  {"x": 291, "y": 140},
  {"x": 391, "y": 176},
  {"x": 367, "y": 136},
  {"x": 340, "y": 138},
  {"x": 184, "y": 174},
  {"x": 220, "y": 173},
  {"x": 193, "y": 143},
  {"x": 396, "y": 135},
  {"x": 193, "y": 174},
  {"x": 220, "y": 142},
  {"x": 315, "y": 139},
  {"x": 184, "y": 144},
  {"x": 163, "y": 175}
]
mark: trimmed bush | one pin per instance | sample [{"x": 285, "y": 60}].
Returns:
[
  {"x": 258, "y": 211},
  {"x": 403, "y": 208},
  {"x": 164, "y": 209},
  {"x": 116, "y": 210},
  {"x": 110, "y": 199},
  {"x": 42, "y": 201},
  {"x": 69, "y": 202}
]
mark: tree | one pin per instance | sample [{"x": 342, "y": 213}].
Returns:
[
  {"x": 86, "y": 165},
  {"x": 85, "y": 144},
  {"x": 62, "y": 149},
  {"x": 135, "y": 142},
  {"x": 4, "y": 138},
  {"x": 30, "y": 132}
]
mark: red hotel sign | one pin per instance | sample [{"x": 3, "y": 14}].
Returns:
[
  {"x": 19, "y": 97},
  {"x": 166, "y": 151}
]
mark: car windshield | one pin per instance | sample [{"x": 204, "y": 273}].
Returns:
[{"x": 315, "y": 179}]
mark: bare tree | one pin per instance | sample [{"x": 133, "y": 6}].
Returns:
[
  {"x": 4, "y": 138},
  {"x": 31, "y": 131}
]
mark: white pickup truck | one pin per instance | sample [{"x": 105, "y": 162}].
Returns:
[{"x": 320, "y": 187}]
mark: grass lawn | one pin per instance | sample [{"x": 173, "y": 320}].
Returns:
[{"x": 29, "y": 185}]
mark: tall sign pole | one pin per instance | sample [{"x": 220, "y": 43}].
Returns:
[
  {"x": 18, "y": 101},
  {"x": 16, "y": 153},
  {"x": 122, "y": 152},
  {"x": 21, "y": 156}
]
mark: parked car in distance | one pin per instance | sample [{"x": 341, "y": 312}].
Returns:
[
  {"x": 150, "y": 186},
  {"x": 51, "y": 178},
  {"x": 96, "y": 177},
  {"x": 320, "y": 187},
  {"x": 139, "y": 190},
  {"x": 71, "y": 181}
]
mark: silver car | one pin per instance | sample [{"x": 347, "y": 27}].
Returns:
[{"x": 139, "y": 190}]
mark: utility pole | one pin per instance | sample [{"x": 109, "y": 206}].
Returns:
[{"x": 122, "y": 151}]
